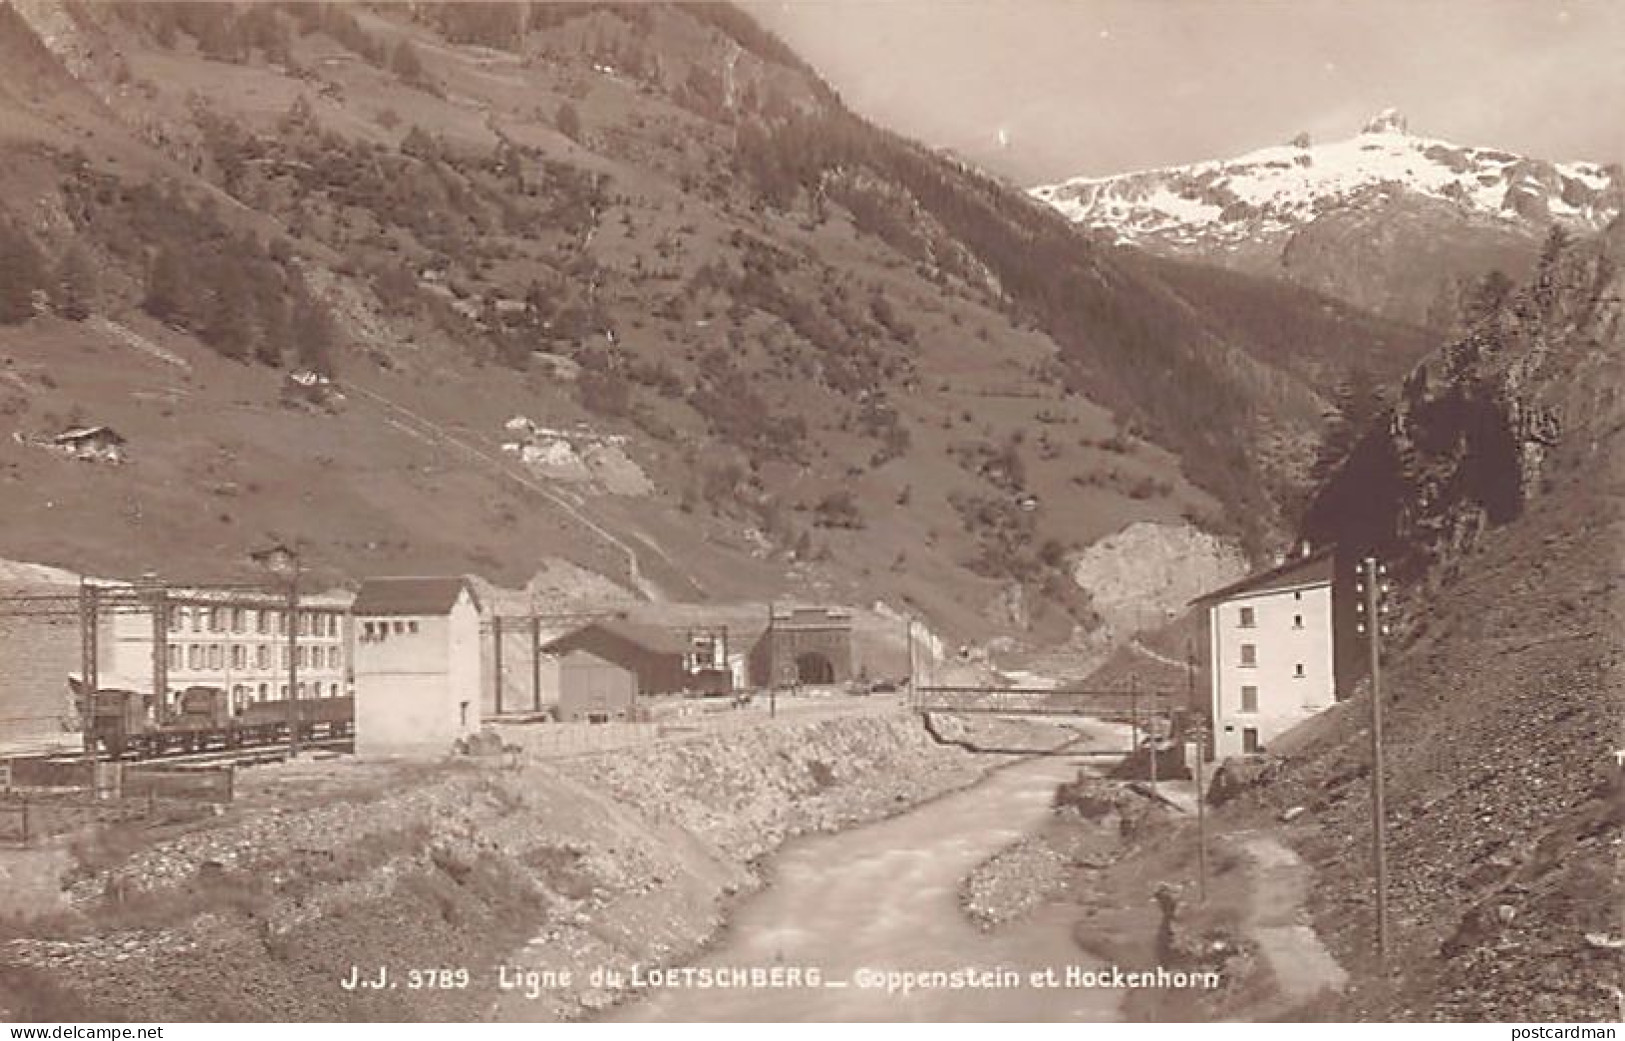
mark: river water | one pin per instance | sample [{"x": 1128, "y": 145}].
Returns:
[{"x": 884, "y": 898}]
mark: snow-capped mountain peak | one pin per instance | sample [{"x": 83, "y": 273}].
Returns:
[
  {"x": 1388, "y": 121},
  {"x": 1271, "y": 192}
]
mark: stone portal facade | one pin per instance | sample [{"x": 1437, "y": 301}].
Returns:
[{"x": 803, "y": 646}]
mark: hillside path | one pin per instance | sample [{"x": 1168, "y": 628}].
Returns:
[
  {"x": 1302, "y": 966},
  {"x": 406, "y": 419}
]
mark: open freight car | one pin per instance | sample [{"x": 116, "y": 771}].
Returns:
[{"x": 130, "y": 723}]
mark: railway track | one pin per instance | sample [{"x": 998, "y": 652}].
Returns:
[{"x": 252, "y": 756}]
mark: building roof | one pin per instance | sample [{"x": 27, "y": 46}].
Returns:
[
  {"x": 415, "y": 596},
  {"x": 647, "y": 637},
  {"x": 1314, "y": 569},
  {"x": 88, "y": 433}
]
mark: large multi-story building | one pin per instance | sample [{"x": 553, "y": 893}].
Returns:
[
  {"x": 1272, "y": 641},
  {"x": 236, "y": 641}
]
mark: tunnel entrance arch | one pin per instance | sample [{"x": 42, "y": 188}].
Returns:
[{"x": 814, "y": 668}]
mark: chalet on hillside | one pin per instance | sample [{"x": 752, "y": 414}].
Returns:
[{"x": 99, "y": 444}]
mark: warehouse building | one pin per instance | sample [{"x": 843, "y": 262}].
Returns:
[
  {"x": 654, "y": 656},
  {"x": 593, "y": 690}
]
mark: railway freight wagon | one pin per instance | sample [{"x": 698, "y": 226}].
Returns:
[{"x": 129, "y": 723}]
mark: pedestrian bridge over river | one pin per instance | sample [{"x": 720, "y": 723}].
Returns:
[{"x": 1118, "y": 704}]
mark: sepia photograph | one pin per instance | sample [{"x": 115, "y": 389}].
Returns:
[{"x": 811, "y": 511}]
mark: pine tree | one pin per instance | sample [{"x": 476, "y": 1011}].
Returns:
[
  {"x": 1358, "y": 402},
  {"x": 74, "y": 285},
  {"x": 21, "y": 272},
  {"x": 313, "y": 335},
  {"x": 569, "y": 121},
  {"x": 407, "y": 65},
  {"x": 227, "y": 326},
  {"x": 168, "y": 290},
  {"x": 276, "y": 330}
]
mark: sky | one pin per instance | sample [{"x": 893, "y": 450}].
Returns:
[{"x": 1041, "y": 90}]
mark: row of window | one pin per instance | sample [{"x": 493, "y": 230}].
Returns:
[
  {"x": 245, "y": 692},
  {"x": 196, "y": 656},
  {"x": 1249, "y": 619},
  {"x": 379, "y": 630},
  {"x": 246, "y": 619},
  {"x": 1249, "y": 660}
]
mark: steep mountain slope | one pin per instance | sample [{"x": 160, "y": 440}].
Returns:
[
  {"x": 1394, "y": 223},
  {"x": 622, "y": 284},
  {"x": 1496, "y": 492}
]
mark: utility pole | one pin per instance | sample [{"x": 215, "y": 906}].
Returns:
[
  {"x": 89, "y": 612},
  {"x": 1200, "y": 733},
  {"x": 535, "y": 661},
  {"x": 1153, "y": 727},
  {"x": 913, "y": 668},
  {"x": 293, "y": 661},
  {"x": 1373, "y": 623},
  {"x": 772, "y": 667},
  {"x": 496, "y": 646},
  {"x": 160, "y": 644},
  {"x": 1134, "y": 717},
  {"x": 283, "y": 560}
]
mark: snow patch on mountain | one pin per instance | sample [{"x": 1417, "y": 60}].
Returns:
[{"x": 1272, "y": 191}]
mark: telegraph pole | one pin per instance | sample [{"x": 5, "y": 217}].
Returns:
[
  {"x": 772, "y": 667},
  {"x": 1200, "y": 733},
  {"x": 913, "y": 668},
  {"x": 535, "y": 661},
  {"x": 1134, "y": 717},
  {"x": 1373, "y": 623},
  {"x": 496, "y": 649},
  {"x": 89, "y": 612},
  {"x": 160, "y": 645},
  {"x": 293, "y": 661}
]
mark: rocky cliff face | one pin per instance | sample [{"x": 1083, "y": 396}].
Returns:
[{"x": 1527, "y": 401}]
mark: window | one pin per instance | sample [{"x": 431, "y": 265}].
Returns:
[
  {"x": 176, "y": 616},
  {"x": 174, "y": 656},
  {"x": 332, "y": 690},
  {"x": 1248, "y": 618},
  {"x": 332, "y": 657},
  {"x": 1297, "y": 594},
  {"x": 197, "y": 619},
  {"x": 1297, "y": 671},
  {"x": 239, "y": 656},
  {"x": 214, "y": 656},
  {"x": 239, "y": 619},
  {"x": 262, "y": 657},
  {"x": 1249, "y": 741},
  {"x": 301, "y": 690},
  {"x": 284, "y": 692},
  {"x": 194, "y": 657},
  {"x": 412, "y": 626},
  {"x": 265, "y": 691},
  {"x": 1297, "y": 621},
  {"x": 262, "y": 621},
  {"x": 400, "y": 627},
  {"x": 1249, "y": 699},
  {"x": 332, "y": 625},
  {"x": 217, "y": 621},
  {"x": 1249, "y": 655},
  {"x": 281, "y": 622}
]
